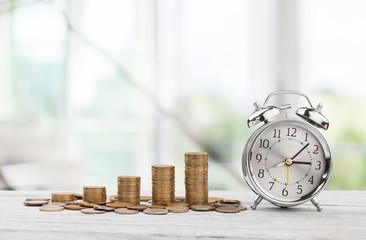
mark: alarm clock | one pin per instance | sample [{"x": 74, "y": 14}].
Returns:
[{"x": 287, "y": 161}]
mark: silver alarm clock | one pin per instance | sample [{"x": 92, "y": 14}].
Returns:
[{"x": 287, "y": 161}]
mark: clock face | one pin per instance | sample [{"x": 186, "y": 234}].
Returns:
[{"x": 288, "y": 161}]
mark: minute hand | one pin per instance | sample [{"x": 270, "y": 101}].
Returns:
[{"x": 302, "y": 149}]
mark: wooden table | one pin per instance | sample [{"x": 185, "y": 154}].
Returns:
[{"x": 343, "y": 217}]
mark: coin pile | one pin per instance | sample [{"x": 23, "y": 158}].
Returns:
[
  {"x": 196, "y": 178},
  {"x": 94, "y": 194},
  {"x": 129, "y": 189},
  {"x": 163, "y": 184},
  {"x": 62, "y": 197}
]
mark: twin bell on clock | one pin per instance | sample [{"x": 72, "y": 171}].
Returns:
[{"x": 287, "y": 161}]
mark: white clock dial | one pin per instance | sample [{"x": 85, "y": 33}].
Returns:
[{"x": 287, "y": 161}]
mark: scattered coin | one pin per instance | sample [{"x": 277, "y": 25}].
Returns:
[
  {"x": 177, "y": 209},
  {"x": 103, "y": 208},
  {"x": 35, "y": 203},
  {"x": 214, "y": 199},
  {"x": 139, "y": 207},
  {"x": 78, "y": 196},
  {"x": 37, "y": 199},
  {"x": 118, "y": 204},
  {"x": 228, "y": 209},
  {"x": 202, "y": 207},
  {"x": 181, "y": 204},
  {"x": 73, "y": 203},
  {"x": 230, "y": 201},
  {"x": 125, "y": 211},
  {"x": 51, "y": 208},
  {"x": 91, "y": 211},
  {"x": 74, "y": 207},
  {"x": 145, "y": 198},
  {"x": 155, "y": 211},
  {"x": 86, "y": 204},
  {"x": 180, "y": 198},
  {"x": 113, "y": 198},
  {"x": 157, "y": 206},
  {"x": 242, "y": 208}
]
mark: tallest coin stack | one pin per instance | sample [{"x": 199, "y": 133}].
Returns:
[{"x": 196, "y": 178}]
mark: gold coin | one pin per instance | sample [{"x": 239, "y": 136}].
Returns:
[
  {"x": 74, "y": 207},
  {"x": 155, "y": 211},
  {"x": 125, "y": 211},
  {"x": 118, "y": 204},
  {"x": 178, "y": 204},
  {"x": 92, "y": 211},
  {"x": 202, "y": 207},
  {"x": 62, "y": 197},
  {"x": 51, "y": 208},
  {"x": 177, "y": 209},
  {"x": 145, "y": 198},
  {"x": 86, "y": 204},
  {"x": 228, "y": 209},
  {"x": 230, "y": 201},
  {"x": 78, "y": 195},
  {"x": 103, "y": 208},
  {"x": 214, "y": 199},
  {"x": 34, "y": 203},
  {"x": 139, "y": 207},
  {"x": 156, "y": 206},
  {"x": 37, "y": 199}
]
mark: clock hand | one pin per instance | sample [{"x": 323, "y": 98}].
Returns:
[
  {"x": 302, "y": 149},
  {"x": 279, "y": 164},
  {"x": 287, "y": 174},
  {"x": 299, "y": 162}
]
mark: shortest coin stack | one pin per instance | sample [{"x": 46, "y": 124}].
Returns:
[
  {"x": 94, "y": 194},
  {"x": 62, "y": 197},
  {"x": 129, "y": 189}
]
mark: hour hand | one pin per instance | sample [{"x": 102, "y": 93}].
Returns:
[{"x": 300, "y": 162}]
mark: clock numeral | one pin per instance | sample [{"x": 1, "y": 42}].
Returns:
[
  {"x": 316, "y": 151},
  {"x": 276, "y": 133},
  {"x": 291, "y": 132},
  {"x": 258, "y": 157},
  {"x": 306, "y": 137},
  {"x": 264, "y": 143},
  {"x": 272, "y": 183},
  {"x": 284, "y": 192},
  {"x": 318, "y": 166},
  {"x": 311, "y": 180},
  {"x": 299, "y": 189},
  {"x": 261, "y": 173}
]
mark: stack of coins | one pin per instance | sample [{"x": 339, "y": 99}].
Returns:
[
  {"x": 129, "y": 189},
  {"x": 94, "y": 194},
  {"x": 62, "y": 197},
  {"x": 163, "y": 184},
  {"x": 196, "y": 178}
]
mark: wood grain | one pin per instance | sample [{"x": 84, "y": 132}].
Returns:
[{"x": 343, "y": 217}]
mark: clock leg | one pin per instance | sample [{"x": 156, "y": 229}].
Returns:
[
  {"x": 256, "y": 202},
  {"x": 316, "y": 204}
]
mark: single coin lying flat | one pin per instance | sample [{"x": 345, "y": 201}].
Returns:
[
  {"x": 228, "y": 209},
  {"x": 34, "y": 202},
  {"x": 139, "y": 207},
  {"x": 155, "y": 211},
  {"x": 177, "y": 209},
  {"x": 125, "y": 211},
  {"x": 91, "y": 211},
  {"x": 202, "y": 207},
  {"x": 74, "y": 207},
  {"x": 103, "y": 208},
  {"x": 51, "y": 208}
]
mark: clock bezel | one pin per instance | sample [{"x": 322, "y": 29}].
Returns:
[{"x": 248, "y": 174}]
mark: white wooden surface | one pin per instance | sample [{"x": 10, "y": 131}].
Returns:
[{"x": 343, "y": 217}]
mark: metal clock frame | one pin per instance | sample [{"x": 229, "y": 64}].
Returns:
[{"x": 262, "y": 194}]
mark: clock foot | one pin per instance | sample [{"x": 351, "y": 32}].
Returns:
[
  {"x": 316, "y": 204},
  {"x": 256, "y": 202}
]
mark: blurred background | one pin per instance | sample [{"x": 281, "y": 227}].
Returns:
[{"x": 90, "y": 89}]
